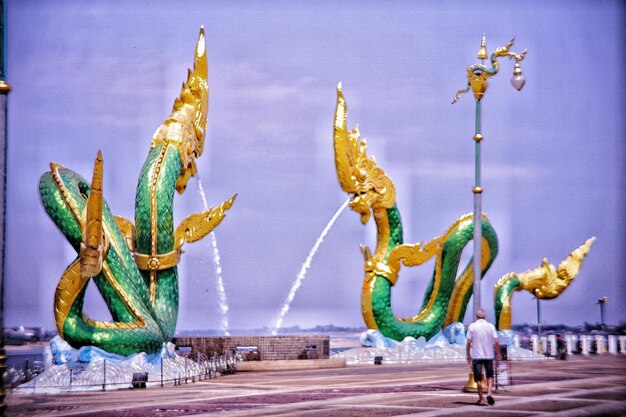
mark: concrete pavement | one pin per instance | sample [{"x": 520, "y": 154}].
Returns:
[{"x": 579, "y": 386}]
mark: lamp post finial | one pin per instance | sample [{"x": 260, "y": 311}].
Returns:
[{"x": 482, "y": 52}]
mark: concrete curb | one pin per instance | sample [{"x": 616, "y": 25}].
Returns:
[{"x": 288, "y": 365}]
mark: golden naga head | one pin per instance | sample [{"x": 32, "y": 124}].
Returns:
[
  {"x": 358, "y": 174},
  {"x": 547, "y": 282},
  {"x": 185, "y": 128}
]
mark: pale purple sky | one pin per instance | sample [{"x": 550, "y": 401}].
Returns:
[{"x": 103, "y": 75}]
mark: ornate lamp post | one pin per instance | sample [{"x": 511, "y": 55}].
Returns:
[
  {"x": 538, "y": 317},
  {"x": 5, "y": 88},
  {"x": 477, "y": 76},
  {"x": 602, "y": 301}
]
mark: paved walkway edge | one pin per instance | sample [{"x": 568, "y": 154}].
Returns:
[{"x": 288, "y": 365}]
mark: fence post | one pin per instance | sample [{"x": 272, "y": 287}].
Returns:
[
  {"x": 104, "y": 377},
  {"x": 70, "y": 369},
  {"x": 161, "y": 371}
]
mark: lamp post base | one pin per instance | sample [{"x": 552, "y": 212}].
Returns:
[{"x": 472, "y": 385}]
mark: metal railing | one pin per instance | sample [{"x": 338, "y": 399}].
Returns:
[{"x": 111, "y": 375}]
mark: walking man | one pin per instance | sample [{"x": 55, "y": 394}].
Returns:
[{"x": 482, "y": 340}]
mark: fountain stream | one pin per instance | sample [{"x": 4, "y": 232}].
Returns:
[
  {"x": 223, "y": 301},
  {"x": 305, "y": 266}
]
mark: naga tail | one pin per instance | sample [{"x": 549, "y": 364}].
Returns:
[{"x": 544, "y": 282}]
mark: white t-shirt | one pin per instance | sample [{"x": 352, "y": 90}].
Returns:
[{"x": 482, "y": 334}]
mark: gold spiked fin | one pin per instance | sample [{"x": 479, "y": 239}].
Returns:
[
  {"x": 92, "y": 247},
  {"x": 198, "y": 225}
]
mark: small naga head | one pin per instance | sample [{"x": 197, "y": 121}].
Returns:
[
  {"x": 359, "y": 175},
  {"x": 547, "y": 282},
  {"x": 185, "y": 128}
]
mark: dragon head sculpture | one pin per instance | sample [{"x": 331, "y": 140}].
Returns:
[
  {"x": 547, "y": 282},
  {"x": 185, "y": 128},
  {"x": 359, "y": 175}
]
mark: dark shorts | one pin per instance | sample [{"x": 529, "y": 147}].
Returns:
[{"x": 477, "y": 368}]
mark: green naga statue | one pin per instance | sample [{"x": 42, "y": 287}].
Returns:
[
  {"x": 447, "y": 295},
  {"x": 133, "y": 266}
]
